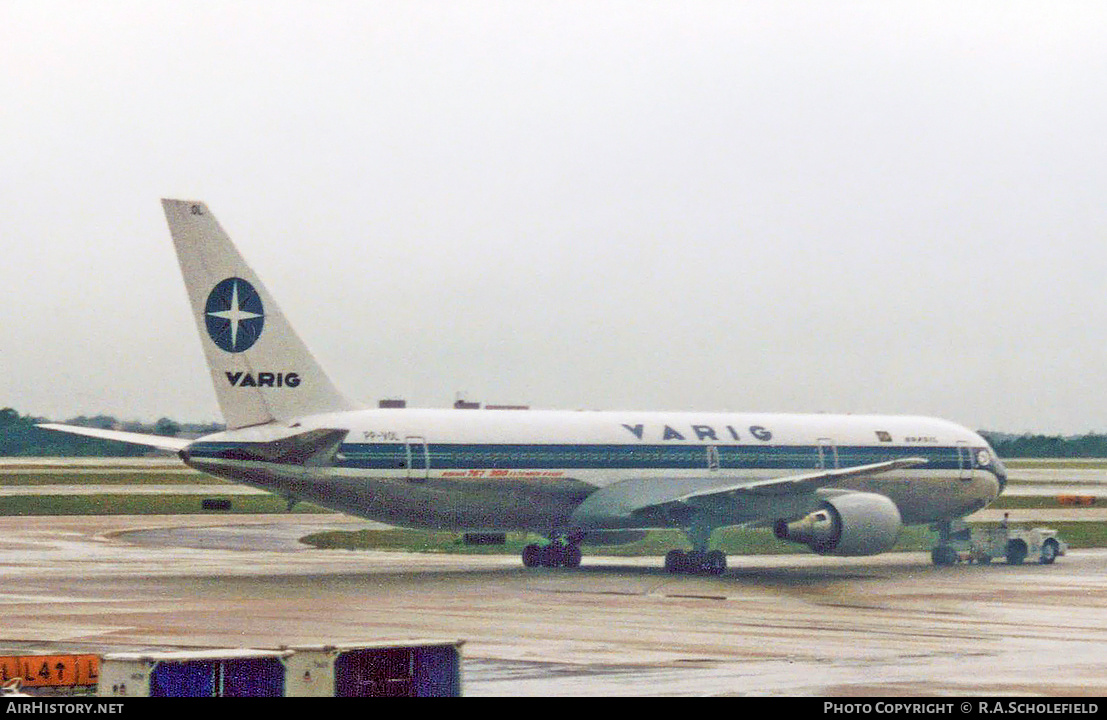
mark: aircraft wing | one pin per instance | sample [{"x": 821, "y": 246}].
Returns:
[
  {"x": 630, "y": 502},
  {"x": 161, "y": 442},
  {"x": 793, "y": 484}
]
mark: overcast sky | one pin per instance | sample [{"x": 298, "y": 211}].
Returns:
[{"x": 893, "y": 207}]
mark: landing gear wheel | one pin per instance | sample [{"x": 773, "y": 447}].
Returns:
[
  {"x": 676, "y": 561},
  {"x": 943, "y": 555},
  {"x": 696, "y": 562},
  {"x": 557, "y": 554},
  {"x": 1049, "y": 553},
  {"x": 532, "y": 556},
  {"x": 551, "y": 556}
]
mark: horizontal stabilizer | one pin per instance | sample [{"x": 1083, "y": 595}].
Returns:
[
  {"x": 314, "y": 448},
  {"x": 161, "y": 442}
]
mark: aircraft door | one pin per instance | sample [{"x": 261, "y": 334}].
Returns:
[
  {"x": 828, "y": 454},
  {"x": 712, "y": 457},
  {"x": 418, "y": 458},
  {"x": 966, "y": 461}
]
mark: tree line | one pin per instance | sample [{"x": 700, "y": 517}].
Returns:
[
  {"x": 1028, "y": 445},
  {"x": 20, "y": 438}
]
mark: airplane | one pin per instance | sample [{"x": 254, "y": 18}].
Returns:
[{"x": 843, "y": 485}]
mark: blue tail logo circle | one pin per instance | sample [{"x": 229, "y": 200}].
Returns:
[{"x": 234, "y": 315}]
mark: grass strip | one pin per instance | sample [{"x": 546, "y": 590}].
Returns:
[
  {"x": 145, "y": 505},
  {"x": 115, "y": 477},
  {"x": 1037, "y": 502},
  {"x": 1055, "y": 463}
]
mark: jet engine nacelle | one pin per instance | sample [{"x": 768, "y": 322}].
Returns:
[{"x": 855, "y": 523}]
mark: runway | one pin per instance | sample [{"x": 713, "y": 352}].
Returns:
[{"x": 772, "y": 625}]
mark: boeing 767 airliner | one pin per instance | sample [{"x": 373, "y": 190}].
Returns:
[{"x": 841, "y": 484}]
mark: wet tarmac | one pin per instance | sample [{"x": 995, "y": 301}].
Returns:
[
  {"x": 277, "y": 537},
  {"x": 772, "y": 625}
]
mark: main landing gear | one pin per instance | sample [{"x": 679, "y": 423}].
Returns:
[
  {"x": 564, "y": 551},
  {"x": 561, "y": 552},
  {"x": 696, "y": 562},
  {"x": 699, "y": 561}
]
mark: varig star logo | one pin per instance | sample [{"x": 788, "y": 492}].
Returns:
[{"x": 234, "y": 315}]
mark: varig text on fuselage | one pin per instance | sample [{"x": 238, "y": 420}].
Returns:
[{"x": 727, "y": 433}]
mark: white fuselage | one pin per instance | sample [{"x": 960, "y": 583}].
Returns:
[{"x": 529, "y": 470}]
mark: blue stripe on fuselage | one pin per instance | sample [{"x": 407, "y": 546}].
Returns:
[{"x": 450, "y": 456}]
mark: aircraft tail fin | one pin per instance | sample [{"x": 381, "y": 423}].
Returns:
[{"x": 261, "y": 369}]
